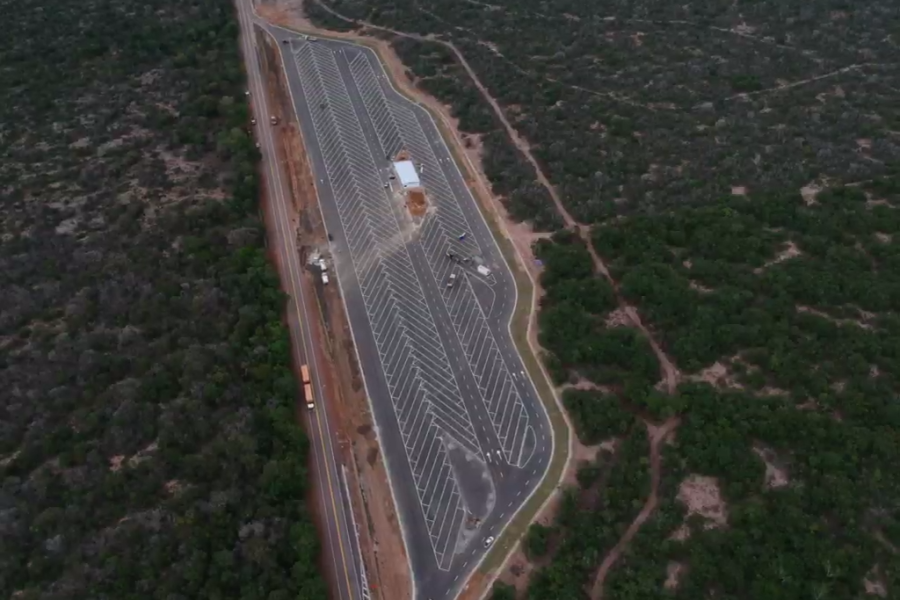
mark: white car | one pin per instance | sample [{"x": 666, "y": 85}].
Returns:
[
  {"x": 247, "y": 92},
  {"x": 488, "y": 541}
]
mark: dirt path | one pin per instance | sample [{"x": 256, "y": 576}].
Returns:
[{"x": 657, "y": 437}]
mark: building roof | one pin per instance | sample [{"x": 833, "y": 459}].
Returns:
[{"x": 406, "y": 171}]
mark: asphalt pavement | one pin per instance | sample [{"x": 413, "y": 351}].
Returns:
[
  {"x": 340, "y": 543},
  {"x": 463, "y": 433}
]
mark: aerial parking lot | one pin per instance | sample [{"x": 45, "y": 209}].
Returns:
[{"x": 428, "y": 298}]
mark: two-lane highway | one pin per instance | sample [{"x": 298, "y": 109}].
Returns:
[{"x": 341, "y": 551}]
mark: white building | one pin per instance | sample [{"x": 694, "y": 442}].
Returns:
[{"x": 406, "y": 173}]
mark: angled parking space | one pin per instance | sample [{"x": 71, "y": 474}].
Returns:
[
  {"x": 397, "y": 129},
  {"x": 423, "y": 389}
]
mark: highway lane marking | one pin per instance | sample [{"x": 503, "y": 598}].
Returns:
[{"x": 263, "y": 105}]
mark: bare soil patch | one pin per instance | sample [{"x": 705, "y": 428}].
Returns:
[
  {"x": 415, "y": 202},
  {"x": 718, "y": 376},
  {"x": 858, "y": 322},
  {"x": 683, "y": 533},
  {"x": 776, "y": 471},
  {"x": 674, "y": 571},
  {"x": 617, "y": 318},
  {"x": 518, "y": 572},
  {"x": 701, "y": 495},
  {"x": 115, "y": 462},
  {"x": 700, "y": 288},
  {"x": 790, "y": 251},
  {"x": 585, "y": 384},
  {"x": 809, "y": 192},
  {"x": 874, "y": 583}
]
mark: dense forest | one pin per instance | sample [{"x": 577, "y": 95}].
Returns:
[
  {"x": 654, "y": 104},
  {"x": 781, "y": 312},
  {"x": 739, "y": 166},
  {"x": 148, "y": 441}
]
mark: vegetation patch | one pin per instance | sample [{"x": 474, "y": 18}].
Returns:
[
  {"x": 149, "y": 440},
  {"x": 789, "y": 421},
  {"x": 654, "y": 105}
]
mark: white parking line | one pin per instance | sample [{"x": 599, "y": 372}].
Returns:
[{"x": 414, "y": 363}]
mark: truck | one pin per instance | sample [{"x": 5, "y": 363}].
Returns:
[
  {"x": 308, "y": 394},
  {"x": 307, "y": 387},
  {"x": 483, "y": 270}
]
